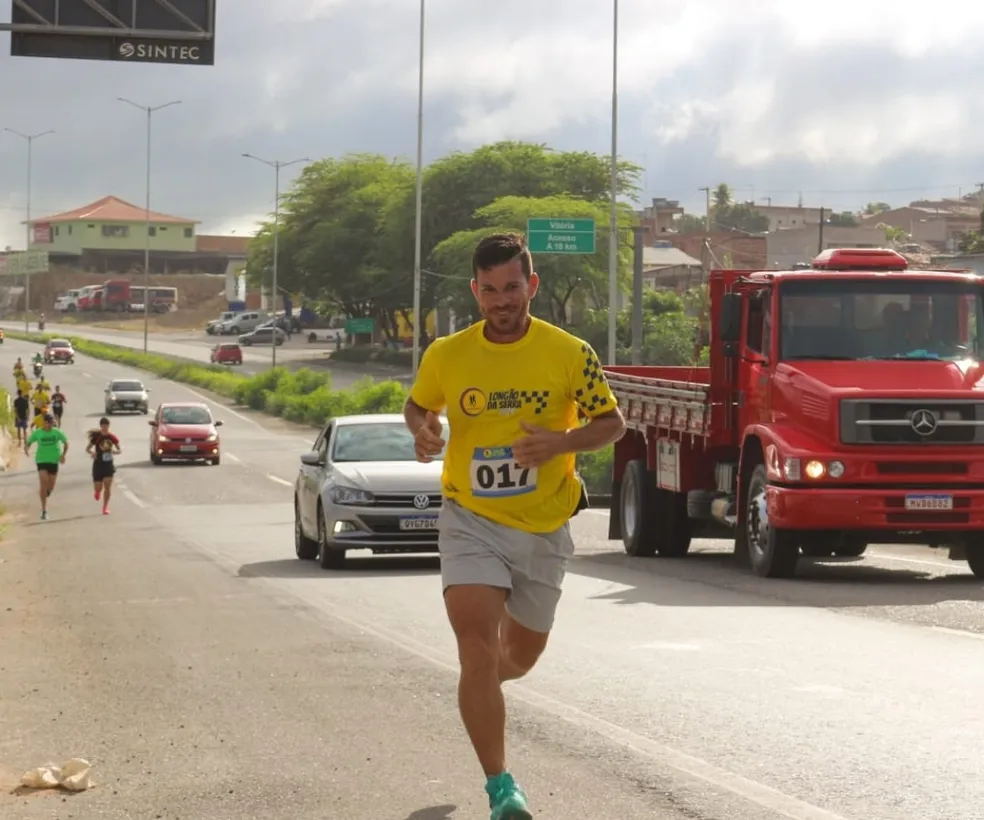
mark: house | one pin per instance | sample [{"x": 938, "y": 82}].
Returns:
[
  {"x": 786, "y": 248},
  {"x": 664, "y": 266},
  {"x": 658, "y": 217},
  {"x": 782, "y": 217},
  {"x": 110, "y": 234},
  {"x": 930, "y": 224},
  {"x": 726, "y": 249}
]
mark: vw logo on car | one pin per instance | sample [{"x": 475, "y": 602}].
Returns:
[{"x": 421, "y": 501}]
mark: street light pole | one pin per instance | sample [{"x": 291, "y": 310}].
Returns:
[
  {"x": 418, "y": 323},
  {"x": 276, "y": 164},
  {"x": 613, "y": 221},
  {"x": 29, "y": 139},
  {"x": 149, "y": 110}
]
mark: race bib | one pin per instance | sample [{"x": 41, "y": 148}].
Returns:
[
  {"x": 107, "y": 456},
  {"x": 495, "y": 474}
]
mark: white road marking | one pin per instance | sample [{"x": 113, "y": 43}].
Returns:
[
  {"x": 233, "y": 457},
  {"x": 279, "y": 480},
  {"x": 87, "y": 375},
  {"x": 128, "y": 493},
  {"x": 224, "y": 407}
]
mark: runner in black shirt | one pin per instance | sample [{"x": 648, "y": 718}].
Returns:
[
  {"x": 103, "y": 445},
  {"x": 22, "y": 406},
  {"x": 58, "y": 402}
]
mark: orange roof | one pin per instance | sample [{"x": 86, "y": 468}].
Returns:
[
  {"x": 113, "y": 209},
  {"x": 211, "y": 243}
]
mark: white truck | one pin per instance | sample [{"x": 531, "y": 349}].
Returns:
[{"x": 68, "y": 302}]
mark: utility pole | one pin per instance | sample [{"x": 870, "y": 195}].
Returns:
[
  {"x": 613, "y": 217},
  {"x": 707, "y": 217},
  {"x": 419, "y": 322},
  {"x": 820, "y": 232},
  {"x": 149, "y": 111},
  {"x": 638, "y": 249},
  {"x": 276, "y": 164},
  {"x": 29, "y": 139}
]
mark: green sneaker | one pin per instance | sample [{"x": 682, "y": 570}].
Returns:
[{"x": 506, "y": 799}]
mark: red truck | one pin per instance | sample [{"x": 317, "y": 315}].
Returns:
[{"x": 843, "y": 406}]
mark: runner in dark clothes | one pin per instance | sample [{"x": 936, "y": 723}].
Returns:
[
  {"x": 102, "y": 446},
  {"x": 58, "y": 402},
  {"x": 22, "y": 406}
]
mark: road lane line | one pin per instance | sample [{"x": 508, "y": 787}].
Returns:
[
  {"x": 87, "y": 375},
  {"x": 233, "y": 457},
  {"x": 279, "y": 480},
  {"x": 225, "y": 407},
  {"x": 128, "y": 493}
]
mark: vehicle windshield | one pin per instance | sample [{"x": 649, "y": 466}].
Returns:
[
  {"x": 858, "y": 319},
  {"x": 186, "y": 415},
  {"x": 127, "y": 387},
  {"x": 56, "y": 343},
  {"x": 375, "y": 442}
]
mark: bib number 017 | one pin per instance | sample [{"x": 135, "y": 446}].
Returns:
[{"x": 495, "y": 474}]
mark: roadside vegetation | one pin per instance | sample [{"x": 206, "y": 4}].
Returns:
[{"x": 301, "y": 396}]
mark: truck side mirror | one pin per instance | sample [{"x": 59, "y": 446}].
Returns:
[{"x": 729, "y": 324}]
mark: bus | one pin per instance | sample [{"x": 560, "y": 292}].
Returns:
[{"x": 162, "y": 299}]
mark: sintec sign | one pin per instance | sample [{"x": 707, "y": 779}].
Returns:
[{"x": 160, "y": 51}]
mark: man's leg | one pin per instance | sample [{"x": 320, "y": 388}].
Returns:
[
  {"x": 107, "y": 492},
  {"x": 43, "y": 477}
]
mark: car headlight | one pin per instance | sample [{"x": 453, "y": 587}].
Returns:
[
  {"x": 112, "y": 397},
  {"x": 163, "y": 438},
  {"x": 212, "y": 437},
  {"x": 350, "y": 495}
]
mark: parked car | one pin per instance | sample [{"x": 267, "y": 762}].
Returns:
[
  {"x": 59, "y": 351},
  {"x": 184, "y": 431},
  {"x": 226, "y": 316},
  {"x": 361, "y": 487},
  {"x": 127, "y": 394},
  {"x": 242, "y": 323},
  {"x": 227, "y": 353},
  {"x": 263, "y": 336}
]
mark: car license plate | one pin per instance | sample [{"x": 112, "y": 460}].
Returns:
[
  {"x": 929, "y": 502},
  {"x": 189, "y": 448},
  {"x": 419, "y": 522}
]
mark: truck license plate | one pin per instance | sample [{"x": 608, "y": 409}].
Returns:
[
  {"x": 189, "y": 448},
  {"x": 929, "y": 502},
  {"x": 420, "y": 522}
]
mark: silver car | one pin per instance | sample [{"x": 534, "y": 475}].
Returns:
[
  {"x": 127, "y": 394},
  {"x": 362, "y": 488}
]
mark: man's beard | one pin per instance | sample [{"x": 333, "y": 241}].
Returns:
[{"x": 508, "y": 321}]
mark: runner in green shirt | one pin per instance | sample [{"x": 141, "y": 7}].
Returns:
[{"x": 52, "y": 449}]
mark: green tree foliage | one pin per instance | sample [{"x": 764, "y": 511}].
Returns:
[
  {"x": 845, "y": 219},
  {"x": 728, "y": 215},
  {"x": 689, "y": 223},
  {"x": 876, "y": 208},
  {"x": 566, "y": 281},
  {"x": 973, "y": 241}
]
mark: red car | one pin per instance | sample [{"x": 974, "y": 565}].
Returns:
[
  {"x": 59, "y": 351},
  {"x": 227, "y": 353},
  {"x": 184, "y": 432}
]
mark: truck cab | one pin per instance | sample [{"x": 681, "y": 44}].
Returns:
[{"x": 843, "y": 405}]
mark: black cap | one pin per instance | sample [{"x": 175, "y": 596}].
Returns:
[{"x": 49, "y": 417}]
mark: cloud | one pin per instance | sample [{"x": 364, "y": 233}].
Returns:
[{"x": 846, "y": 102}]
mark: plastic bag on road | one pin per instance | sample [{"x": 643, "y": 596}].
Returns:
[{"x": 72, "y": 775}]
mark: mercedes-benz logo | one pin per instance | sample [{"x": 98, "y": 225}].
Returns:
[
  {"x": 924, "y": 422},
  {"x": 421, "y": 501}
]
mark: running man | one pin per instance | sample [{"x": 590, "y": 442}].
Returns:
[
  {"x": 512, "y": 386},
  {"x": 22, "y": 407},
  {"x": 40, "y": 398},
  {"x": 102, "y": 446},
  {"x": 52, "y": 450},
  {"x": 18, "y": 368},
  {"x": 58, "y": 402}
]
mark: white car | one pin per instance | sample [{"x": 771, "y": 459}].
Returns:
[{"x": 361, "y": 487}]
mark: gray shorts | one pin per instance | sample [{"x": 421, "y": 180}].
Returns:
[{"x": 475, "y": 550}]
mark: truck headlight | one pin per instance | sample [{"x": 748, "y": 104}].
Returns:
[
  {"x": 814, "y": 469},
  {"x": 835, "y": 469}
]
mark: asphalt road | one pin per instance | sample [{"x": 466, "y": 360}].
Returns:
[
  {"x": 208, "y": 673},
  {"x": 196, "y": 346}
]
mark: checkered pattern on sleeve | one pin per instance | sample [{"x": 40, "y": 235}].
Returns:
[
  {"x": 593, "y": 393},
  {"x": 538, "y": 398}
]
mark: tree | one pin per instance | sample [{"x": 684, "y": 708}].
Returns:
[
  {"x": 689, "y": 223},
  {"x": 893, "y": 235},
  {"x": 973, "y": 241},
  {"x": 331, "y": 224},
  {"x": 845, "y": 219},
  {"x": 562, "y": 276},
  {"x": 729, "y": 215},
  {"x": 457, "y": 187},
  {"x": 876, "y": 208}
]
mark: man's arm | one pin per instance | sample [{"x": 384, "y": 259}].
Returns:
[
  {"x": 427, "y": 393},
  {"x": 599, "y": 432},
  {"x": 414, "y": 415}
]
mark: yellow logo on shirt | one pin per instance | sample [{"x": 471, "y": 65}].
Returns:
[{"x": 473, "y": 402}]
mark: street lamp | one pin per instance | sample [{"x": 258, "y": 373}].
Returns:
[
  {"x": 149, "y": 110},
  {"x": 29, "y": 139},
  {"x": 276, "y": 164},
  {"x": 613, "y": 220},
  {"x": 417, "y": 238}
]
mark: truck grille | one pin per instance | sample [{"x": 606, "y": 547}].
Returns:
[{"x": 908, "y": 421}]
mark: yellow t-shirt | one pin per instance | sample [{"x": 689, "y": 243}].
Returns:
[
  {"x": 38, "y": 421},
  {"x": 487, "y": 389},
  {"x": 40, "y": 398},
  {"x": 24, "y": 386}
]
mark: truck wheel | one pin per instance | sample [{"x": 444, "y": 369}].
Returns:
[
  {"x": 773, "y": 553},
  {"x": 673, "y": 540},
  {"x": 637, "y": 511},
  {"x": 975, "y": 559}
]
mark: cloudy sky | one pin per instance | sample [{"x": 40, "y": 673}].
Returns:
[{"x": 845, "y": 101}]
